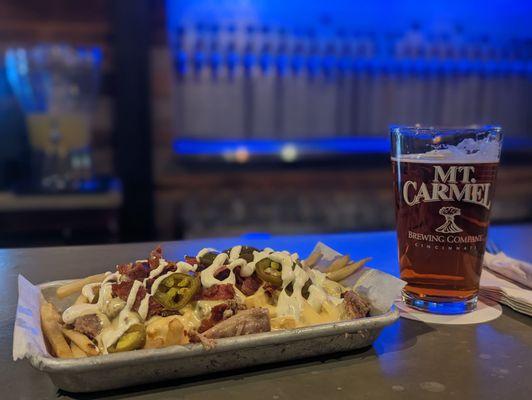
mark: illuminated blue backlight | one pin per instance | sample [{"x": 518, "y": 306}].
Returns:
[
  {"x": 498, "y": 19},
  {"x": 256, "y": 235},
  {"x": 214, "y": 147},
  {"x": 293, "y": 150},
  {"x": 442, "y": 308}
]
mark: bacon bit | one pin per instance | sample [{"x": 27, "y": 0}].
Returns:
[
  {"x": 191, "y": 260},
  {"x": 155, "y": 255},
  {"x": 247, "y": 284},
  {"x": 170, "y": 267},
  {"x": 122, "y": 290},
  {"x": 154, "y": 308},
  {"x": 134, "y": 271},
  {"x": 269, "y": 289},
  {"x": 149, "y": 283},
  {"x": 217, "y": 292}
]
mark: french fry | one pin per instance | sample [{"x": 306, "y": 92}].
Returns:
[
  {"x": 349, "y": 269},
  {"x": 52, "y": 331},
  {"x": 76, "y": 351},
  {"x": 77, "y": 285},
  {"x": 312, "y": 259},
  {"x": 283, "y": 322},
  {"x": 81, "y": 300},
  {"x": 337, "y": 264},
  {"x": 166, "y": 331},
  {"x": 82, "y": 341}
]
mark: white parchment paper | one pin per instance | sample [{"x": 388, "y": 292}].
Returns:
[
  {"x": 27, "y": 335},
  {"x": 379, "y": 288}
]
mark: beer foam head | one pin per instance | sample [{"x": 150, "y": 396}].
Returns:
[{"x": 468, "y": 150}]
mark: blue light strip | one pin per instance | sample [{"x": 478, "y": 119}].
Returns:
[
  {"x": 441, "y": 308},
  {"x": 305, "y": 147},
  {"x": 215, "y": 147}
]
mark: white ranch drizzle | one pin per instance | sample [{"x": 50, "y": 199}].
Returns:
[
  {"x": 249, "y": 268},
  {"x": 111, "y": 276},
  {"x": 88, "y": 292},
  {"x": 207, "y": 275},
  {"x": 155, "y": 272},
  {"x": 183, "y": 267},
  {"x": 292, "y": 304},
  {"x": 144, "y": 306},
  {"x": 317, "y": 297},
  {"x": 318, "y": 279},
  {"x": 235, "y": 253},
  {"x": 123, "y": 322},
  {"x": 78, "y": 310},
  {"x": 204, "y": 251},
  {"x": 287, "y": 275},
  {"x": 106, "y": 294}
]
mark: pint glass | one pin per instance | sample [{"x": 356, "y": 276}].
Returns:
[{"x": 444, "y": 181}]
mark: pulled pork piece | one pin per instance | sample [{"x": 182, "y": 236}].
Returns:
[
  {"x": 355, "y": 306},
  {"x": 217, "y": 292},
  {"x": 246, "y": 322},
  {"x": 195, "y": 337},
  {"x": 219, "y": 313},
  {"x": 90, "y": 325},
  {"x": 247, "y": 284}
]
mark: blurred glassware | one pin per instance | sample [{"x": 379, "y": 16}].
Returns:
[{"x": 56, "y": 86}]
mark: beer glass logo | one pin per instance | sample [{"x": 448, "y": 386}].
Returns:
[
  {"x": 449, "y": 226},
  {"x": 454, "y": 184}
]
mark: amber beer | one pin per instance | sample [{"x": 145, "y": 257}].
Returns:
[{"x": 442, "y": 204}]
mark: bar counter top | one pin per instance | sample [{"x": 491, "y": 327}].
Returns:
[{"x": 410, "y": 360}]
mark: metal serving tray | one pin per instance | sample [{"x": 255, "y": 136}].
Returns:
[{"x": 144, "y": 366}]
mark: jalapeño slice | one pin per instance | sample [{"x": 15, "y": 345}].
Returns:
[
  {"x": 269, "y": 271},
  {"x": 177, "y": 290},
  {"x": 133, "y": 339}
]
